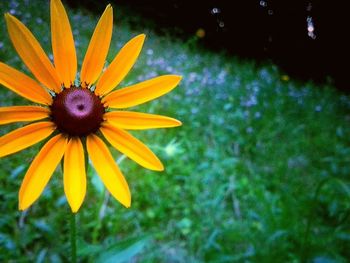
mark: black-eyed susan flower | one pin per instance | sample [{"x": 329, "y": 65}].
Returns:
[{"x": 71, "y": 115}]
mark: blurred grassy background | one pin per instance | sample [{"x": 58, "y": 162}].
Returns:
[{"x": 259, "y": 171}]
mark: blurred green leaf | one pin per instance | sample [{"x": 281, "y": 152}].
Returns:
[
  {"x": 41, "y": 257},
  {"x": 88, "y": 250},
  {"x": 123, "y": 251}
]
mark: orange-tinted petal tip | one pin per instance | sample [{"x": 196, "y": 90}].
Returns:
[
  {"x": 108, "y": 170},
  {"x": 31, "y": 53},
  {"x": 97, "y": 51},
  {"x": 129, "y": 120},
  {"x": 120, "y": 66},
  {"x": 41, "y": 170},
  {"x": 74, "y": 177},
  {"x": 131, "y": 147},
  {"x": 141, "y": 92},
  {"x": 62, "y": 44}
]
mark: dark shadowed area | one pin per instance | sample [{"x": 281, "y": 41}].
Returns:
[{"x": 306, "y": 38}]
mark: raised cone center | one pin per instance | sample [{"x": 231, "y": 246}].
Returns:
[{"x": 77, "y": 111}]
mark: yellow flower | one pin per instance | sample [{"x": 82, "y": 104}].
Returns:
[
  {"x": 200, "y": 33},
  {"x": 285, "y": 77},
  {"x": 75, "y": 115}
]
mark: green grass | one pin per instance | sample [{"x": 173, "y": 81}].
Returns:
[{"x": 259, "y": 171}]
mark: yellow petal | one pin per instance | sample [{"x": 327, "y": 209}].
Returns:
[
  {"x": 22, "y": 113},
  {"x": 141, "y": 92},
  {"x": 63, "y": 48},
  {"x": 139, "y": 121},
  {"x": 131, "y": 147},
  {"x": 120, "y": 66},
  {"x": 24, "y": 137},
  {"x": 32, "y": 54},
  {"x": 40, "y": 171},
  {"x": 107, "y": 169},
  {"x": 74, "y": 174},
  {"x": 23, "y": 85},
  {"x": 98, "y": 48}
]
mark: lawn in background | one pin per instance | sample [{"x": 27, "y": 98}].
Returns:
[{"x": 259, "y": 171}]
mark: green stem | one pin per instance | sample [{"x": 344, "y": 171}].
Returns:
[{"x": 73, "y": 237}]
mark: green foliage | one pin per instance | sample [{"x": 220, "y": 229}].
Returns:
[{"x": 259, "y": 171}]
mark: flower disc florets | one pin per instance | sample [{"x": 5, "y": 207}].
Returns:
[{"x": 77, "y": 111}]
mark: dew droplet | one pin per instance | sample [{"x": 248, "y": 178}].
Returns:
[
  {"x": 215, "y": 11},
  {"x": 263, "y": 3}
]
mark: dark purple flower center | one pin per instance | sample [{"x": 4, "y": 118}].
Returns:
[{"x": 77, "y": 111}]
